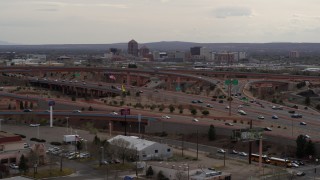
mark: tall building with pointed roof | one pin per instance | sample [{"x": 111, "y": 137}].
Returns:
[{"x": 133, "y": 47}]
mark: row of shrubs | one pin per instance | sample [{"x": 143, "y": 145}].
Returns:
[{"x": 37, "y": 140}]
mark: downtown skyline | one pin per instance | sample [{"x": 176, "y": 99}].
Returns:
[{"x": 203, "y": 21}]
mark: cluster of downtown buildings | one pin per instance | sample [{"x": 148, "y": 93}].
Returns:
[{"x": 195, "y": 54}]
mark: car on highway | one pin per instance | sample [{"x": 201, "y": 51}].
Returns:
[
  {"x": 275, "y": 117},
  {"x": 306, "y": 136},
  {"x": 209, "y": 105},
  {"x": 221, "y": 151},
  {"x": 114, "y": 113},
  {"x": 220, "y": 101},
  {"x": 199, "y": 101},
  {"x": 260, "y": 117},
  {"x": 267, "y": 129},
  {"x": 303, "y": 123},
  {"x": 213, "y": 99},
  {"x": 227, "y": 107},
  {"x": 195, "y": 120},
  {"x": 295, "y": 106},
  {"x": 242, "y": 112},
  {"x": 291, "y": 111},
  {"x": 228, "y": 124},
  {"x": 194, "y": 101},
  {"x": 274, "y": 107},
  {"x": 243, "y": 154},
  {"x": 296, "y": 116},
  {"x": 76, "y": 111},
  {"x": 34, "y": 125},
  {"x": 27, "y": 110},
  {"x": 13, "y": 166},
  {"x": 166, "y": 117}
]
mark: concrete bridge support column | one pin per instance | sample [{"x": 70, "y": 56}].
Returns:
[
  {"x": 128, "y": 79},
  {"x": 18, "y": 104},
  {"x": 139, "y": 81},
  {"x": 169, "y": 83}
]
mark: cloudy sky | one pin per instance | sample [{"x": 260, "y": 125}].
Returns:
[{"x": 112, "y": 21}]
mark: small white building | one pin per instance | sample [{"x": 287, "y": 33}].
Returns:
[{"x": 146, "y": 150}]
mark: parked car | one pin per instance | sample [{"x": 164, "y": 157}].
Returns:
[
  {"x": 275, "y": 117},
  {"x": 243, "y": 154},
  {"x": 300, "y": 173},
  {"x": 195, "y": 120},
  {"x": 233, "y": 152},
  {"x": 260, "y": 117},
  {"x": 34, "y": 125},
  {"x": 291, "y": 112},
  {"x": 13, "y": 166},
  {"x": 268, "y": 129}
]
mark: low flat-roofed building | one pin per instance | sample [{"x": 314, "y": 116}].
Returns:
[
  {"x": 11, "y": 148},
  {"x": 146, "y": 150}
]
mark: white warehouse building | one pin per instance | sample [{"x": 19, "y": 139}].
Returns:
[{"x": 146, "y": 150}]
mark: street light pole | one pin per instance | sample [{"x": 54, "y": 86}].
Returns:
[
  {"x": 315, "y": 169},
  {"x": 67, "y": 125},
  {"x": 38, "y": 131},
  {"x": 0, "y": 124}
]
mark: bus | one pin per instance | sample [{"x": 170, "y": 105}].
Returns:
[
  {"x": 255, "y": 157},
  {"x": 280, "y": 162}
]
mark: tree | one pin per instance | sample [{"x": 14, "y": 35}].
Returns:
[
  {"x": 23, "y": 167},
  {"x": 205, "y": 112},
  {"x": 149, "y": 172},
  {"x": 121, "y": 148},
  {"x": 79, "y": 145},
  {"x": 160, "y": 176},
  {"x": 31, "y": 105},
  {"x": 90, "y": 108},
  {"x": 73, "y": 98},
  {"x": 171, "y": 107},
  {"x": 193, "y": 111},
  {"x": 307, "y": 101},
  {"x": 310, "y": 149},
  {"x": 212, "y": 133},
  {"x": 96, "y": 140},
  {"x": 9, "y": 106},
  {"x": 301, "y": 144}
]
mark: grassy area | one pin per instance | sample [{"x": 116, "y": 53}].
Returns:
[
  {"x": 120, "y": 166},
  {"x": 50, "y": 173},
  {"x": 179, "y": 157}
]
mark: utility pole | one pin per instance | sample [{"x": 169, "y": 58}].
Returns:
[
  {"x": 197, "y": 144},
  {"x": 182, "y": 144},
  {"x": 250, "y": 144}
]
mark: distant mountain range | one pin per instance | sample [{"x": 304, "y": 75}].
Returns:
[
  {"x": 5, "y": 43},
  {"x": 275, "y": 48}
]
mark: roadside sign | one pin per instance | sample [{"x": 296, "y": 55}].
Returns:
[
  {"x": 125, "y": 111},
  {"x": 51, "y": 103},
  {"x": 231, "y": 81}
]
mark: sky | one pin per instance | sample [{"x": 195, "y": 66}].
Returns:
[{"x": 203, "y": 21}]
